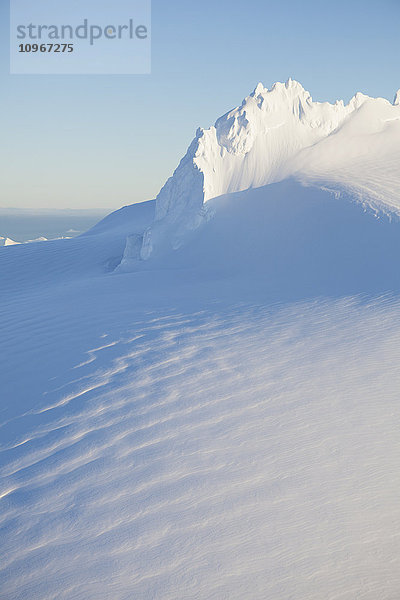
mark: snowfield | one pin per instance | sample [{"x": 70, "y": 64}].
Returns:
[{"x": 221, "y": 420}]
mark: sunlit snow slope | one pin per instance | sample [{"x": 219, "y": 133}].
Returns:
[
  {"x": 220, "y": 421},
  {"x": 275, "y": 134}
]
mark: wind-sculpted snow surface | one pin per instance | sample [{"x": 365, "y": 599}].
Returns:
[
  {"x": 220, "y": 421},
  {"x": 276, "y": 134},
  {"x": 242, "y": 453},
  {"x": 206, "y": 426}
]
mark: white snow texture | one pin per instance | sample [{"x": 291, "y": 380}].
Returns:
[{"x": 221, "y": 420}]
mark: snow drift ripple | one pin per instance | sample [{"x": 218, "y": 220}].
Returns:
[{"x": 263, "y": 141}]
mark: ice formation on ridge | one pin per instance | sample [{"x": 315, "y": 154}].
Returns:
[{"x": 261, "y": 142}]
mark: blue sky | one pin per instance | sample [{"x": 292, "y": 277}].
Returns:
[{"x": 93, "y": 141}]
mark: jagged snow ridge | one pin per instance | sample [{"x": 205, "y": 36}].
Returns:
[{"x": 263, "y": 141}]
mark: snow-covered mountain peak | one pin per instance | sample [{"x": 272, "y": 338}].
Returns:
[
  {"x": 266, "y": 140},
  {"x": 396, "y": 101},
  {"x": 259, "y": 89},
  {"x": 290, "y": 90},
  {"x": 6, "y": 241}
]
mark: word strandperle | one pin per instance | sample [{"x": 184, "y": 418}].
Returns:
[{"x": 82, "y": 32}]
